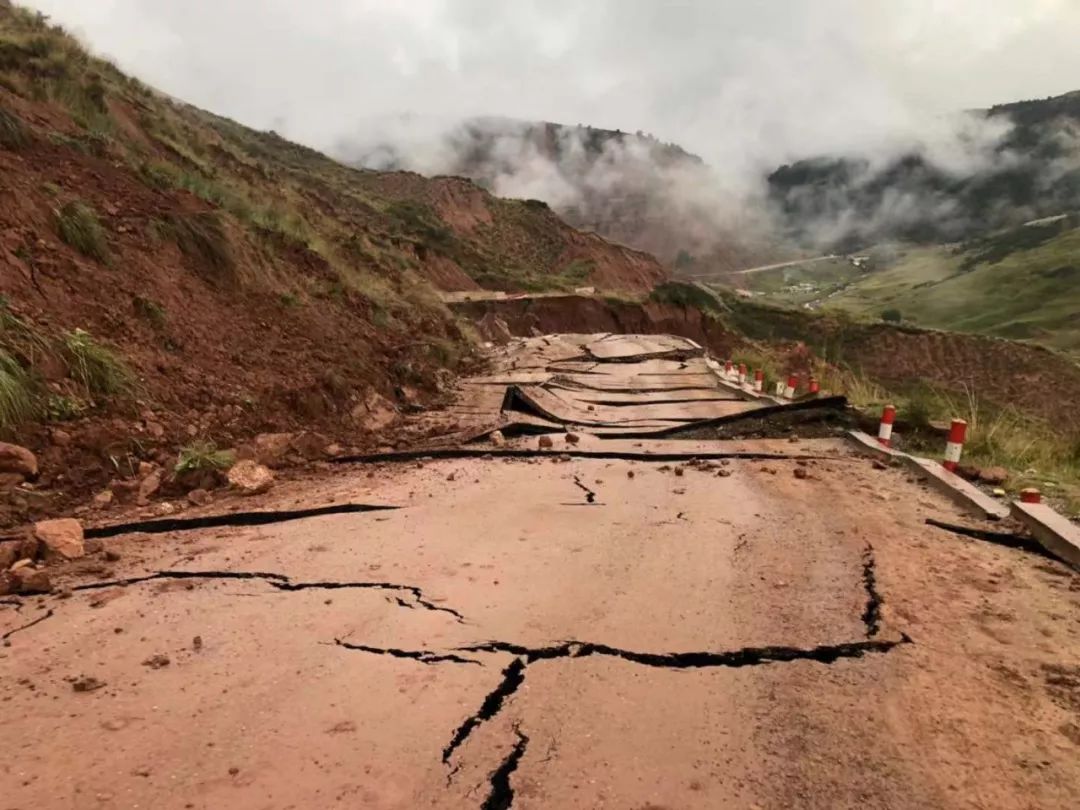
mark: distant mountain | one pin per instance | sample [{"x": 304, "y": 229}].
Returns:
[
  {"x": 1030, "y": 170},
  {"x": 628, "y": 187}
]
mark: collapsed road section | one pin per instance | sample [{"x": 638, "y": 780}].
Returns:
[{"x": 746, "y": 613}]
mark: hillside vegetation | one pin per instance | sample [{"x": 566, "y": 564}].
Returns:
[{"x": 172, "y": 279}]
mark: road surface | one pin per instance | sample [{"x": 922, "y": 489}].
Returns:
[{"x": 591, "y": 625}]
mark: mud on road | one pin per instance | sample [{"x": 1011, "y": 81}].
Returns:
[{"x": 770, "y": 625}]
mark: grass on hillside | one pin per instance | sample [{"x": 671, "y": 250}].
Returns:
[
  {"x": 1022, "y": 284},
  {"x": 798, "y": 284},
  {"x": 95, "y": 367},
  {"x": 13, "y": 132},
  {"x": 1034, "y": 453},
  {"x": 202, "y": 456},
  {"x": 18, "y": 399},
  {"x": 78, "y": 225}
]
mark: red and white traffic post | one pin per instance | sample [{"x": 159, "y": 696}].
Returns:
[
  {"x": 955, "y": 446},
  {"x": 742, "y": 373},
  {"x": 727, "y": 369},
  {"x": 884, "y": 431},
  {"x": 792, "y": 384},
  {"x": 1030, "y": 495},
  {"x": 813, "y": 386},
  {"x": 759, "y": 381}
]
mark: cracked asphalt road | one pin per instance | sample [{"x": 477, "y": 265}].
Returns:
[{"x": 722, "y": 634}]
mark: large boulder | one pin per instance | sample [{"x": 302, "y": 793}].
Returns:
[
  {"x": 375, "y": 412},
  {"x": 249, "y": 478},
  {"x": 272, "y": 449},
  {"x": 312, "y": 446},
  {"x": 17, "y": 460},
  {"x": 62, "y": 538},
  {"x": 28, "y": 579}
]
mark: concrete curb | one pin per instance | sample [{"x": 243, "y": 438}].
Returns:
[
  {"x": 1054, "y": 532},
  {"x": 947, "y": 483},
  {"x": 747, "y": 392}
]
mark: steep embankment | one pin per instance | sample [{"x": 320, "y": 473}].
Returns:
[{"x": 172, "y": 280}]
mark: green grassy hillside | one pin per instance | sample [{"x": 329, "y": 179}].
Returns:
[{"x": 1023, "y": 283}]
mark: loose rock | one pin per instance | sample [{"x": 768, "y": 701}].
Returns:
[
  {"x": 995, "y": 476},
  {"x": 149, "y": 486},
  {"x": 497, "y": 438},
  {"x": 801, "y": 473},
  {"x": 250, "y": 478},
  {"x": 572, "y": 438},
  {"x": 199, "y": 497},
  {"x": 17, "y": 459},
  {"x": 157, "y": 661},
  {"x": 86, "y": 683},
  {"x": 62, "y": 537},
  {"x": 545, "y": 442},
  {"x": 30, "y": 580}
]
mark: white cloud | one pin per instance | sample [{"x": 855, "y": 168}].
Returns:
[{"x": 733, "y": 81}]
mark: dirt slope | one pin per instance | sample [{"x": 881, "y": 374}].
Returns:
[{"x": 231, "y": 282}]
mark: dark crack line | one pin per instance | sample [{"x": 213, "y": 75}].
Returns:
[
  {"x": 423, "y": 656},
  {"x": 501, "y": 796},
  {"x": 872, "y": 614},
  {"x": 513, "y": 677},
  {"x": 590, "y": 496},
  {"x": 997, "y": 538},
  {"x": 26, "y": 626},
  {"x": 231, "y": 519},
  {"x": 434, "y": 453},
  {"x": 282, "y": 583},
  {"x": 746, "y": 656},
  {"x": 15, "y": 603},
  {"x": 514, "y": 674}
]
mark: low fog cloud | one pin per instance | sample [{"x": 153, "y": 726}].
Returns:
[{"x": 747, "y": 86}]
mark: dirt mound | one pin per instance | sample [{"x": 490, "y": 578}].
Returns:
[
  {"x": 172, "y": 279},
  {"x": 511, "y": 245}
]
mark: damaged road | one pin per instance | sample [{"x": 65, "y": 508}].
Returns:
[{"x": 764, "y": 623}]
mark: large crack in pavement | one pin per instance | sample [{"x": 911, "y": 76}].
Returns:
[
  {"x": 513, "y": 676},
  {"x": 423, "y": 656},
  {"x": 281, "y": 583},
  {"x": 872, "y": 614},
  {"x": 1005, "y": 539},
  {"x": 442, "y": 453},
  {"x": 231, "y": 519},
  {"x": 501, "y": 796}
]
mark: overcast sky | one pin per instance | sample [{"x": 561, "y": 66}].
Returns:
[{"x": 729, "y": 79}]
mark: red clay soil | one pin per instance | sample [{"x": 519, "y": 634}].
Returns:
[
  {"x": 519, "y": 233},
  {"x": 265, "y": 347}
]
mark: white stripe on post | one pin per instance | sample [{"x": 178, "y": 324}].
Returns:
[
  {"x": 792, "y": 384},
  {"x": 955, "y": 445},
  {"x": 884, "y": 434}
]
